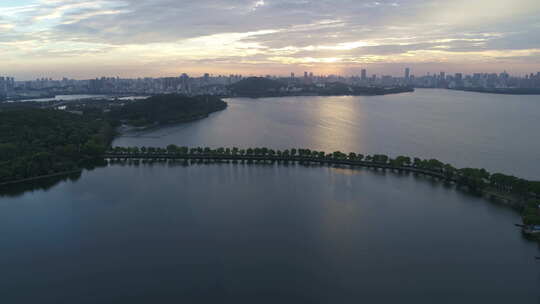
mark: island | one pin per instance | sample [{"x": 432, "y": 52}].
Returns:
[
  {"x": 256, "y": 87},
  {"x": 166, "y": 109}
]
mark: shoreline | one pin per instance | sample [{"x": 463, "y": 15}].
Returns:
[
  {"x": 29, "y": 179},
  {"x": 488, "y": 193},
  {"x": 277, "y": 95},
  {"x": 354, "y": 163},
  {"x": 122, "y": 131},
  {"x": 510, "y": 91}
]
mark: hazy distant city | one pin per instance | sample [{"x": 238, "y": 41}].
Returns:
[{"x": 209, "y": 84}]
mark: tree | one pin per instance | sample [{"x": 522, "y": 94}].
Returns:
[
  {"x": 172, "y": 148},
  {"x": 475, "y": 179},
  {"x": 380, "y": 158},
  {"x": 449, "y": 171},
  {"x": 435, "y": 165}
]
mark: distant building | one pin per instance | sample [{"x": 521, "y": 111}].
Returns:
[
  {"x": 7, "y": 84},
  {"x": 363, "y": 74}
]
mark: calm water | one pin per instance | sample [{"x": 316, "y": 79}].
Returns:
[
  {"x": 497, "y": 132},
  {"x": 287, "y": 234}
]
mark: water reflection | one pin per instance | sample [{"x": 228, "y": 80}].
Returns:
[
  {"x": 44, "y": 184},
  {"x": 340, "y": 124},
  {"x": 241, "y": 231}
]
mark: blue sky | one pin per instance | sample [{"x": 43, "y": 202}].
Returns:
[
  {"x": 131, "y": 38},
  {"x": 8, "y": 3}
]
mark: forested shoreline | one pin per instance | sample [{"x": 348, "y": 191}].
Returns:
[
  {"x": 166, "y": 109},
  {"x": 36, "y": 142},
  {"x": 43, "y": 142}
]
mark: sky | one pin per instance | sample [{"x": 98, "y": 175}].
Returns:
[{"x": 149, "y": 38}]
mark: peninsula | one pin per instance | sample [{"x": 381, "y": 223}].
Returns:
[
  {"x": 38, "y": 142},
  {"x": 166, "y": 109}
]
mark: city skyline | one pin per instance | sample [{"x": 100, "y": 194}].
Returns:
[
  {"x": 220, "y": 85},
  {"x": 84, "y": 39},
  {"x": 362, "y": 73}
]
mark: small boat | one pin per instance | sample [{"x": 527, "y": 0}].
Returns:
[{"x": 531, "y": 229}]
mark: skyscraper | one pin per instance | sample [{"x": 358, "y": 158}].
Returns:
[
  {"x": 363, "y": 76},
  {"x": 407, "y": 73}
]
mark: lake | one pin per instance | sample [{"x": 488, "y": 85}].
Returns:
[
  {"x": 239, "y": 233},
  {"x": 496, "y": 132}
]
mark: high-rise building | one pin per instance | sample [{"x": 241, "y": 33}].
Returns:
[
  {"x": 407, "y": 73},
  {"x": 3, "y": 88},
  {"x": 363, "y": 75},
  {"x": 7, "y": 84}
]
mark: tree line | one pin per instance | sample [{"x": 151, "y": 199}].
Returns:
[{"x": 474, "y": 178}]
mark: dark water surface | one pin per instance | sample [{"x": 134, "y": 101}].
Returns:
[{"x": 286, "y": 234}]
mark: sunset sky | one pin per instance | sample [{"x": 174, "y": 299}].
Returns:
[{"x": 135, "y": 38}]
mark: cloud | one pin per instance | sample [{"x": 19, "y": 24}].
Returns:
[{"x": 269, "y": 33}]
